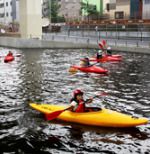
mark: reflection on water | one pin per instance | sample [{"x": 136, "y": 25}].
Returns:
[{"x": 42, "y": 75}]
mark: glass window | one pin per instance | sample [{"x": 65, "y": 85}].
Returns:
[
  {"x": 147, "y": 1},
  {"x": 119, "y": 15},
  {"x": 2, "y": 5}
]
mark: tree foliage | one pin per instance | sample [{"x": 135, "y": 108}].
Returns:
[
  {"x": 89, "y": 9},
  {"x": 54, "y": 12}
]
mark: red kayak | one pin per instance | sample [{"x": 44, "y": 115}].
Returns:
[
  {"x": 8, "y": 59},
  {"x": 117, "y": 56},
  {"x": 91, "y": 69},
  {"x": 107, "y": 58}
]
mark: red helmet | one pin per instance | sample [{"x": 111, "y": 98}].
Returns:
[{"x": 77, "y": 92}]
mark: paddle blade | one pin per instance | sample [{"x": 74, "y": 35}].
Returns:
[
  {"x": 73, "y": 70},
  {"x": 53, "y": 115},
  {"x": 101, "y": 94},
  {"x": 18, "y": 55},
  {"x": 104, "y": 42},
  {"x": 101, "y": 46}
]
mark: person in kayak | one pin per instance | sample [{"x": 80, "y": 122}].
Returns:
[
  {"x": 109, "y": 52},
  {"x": 99, "y": 54},
  {"x": 77, "y": 103},
  {"x": 85, "y": 62},
  {"x": 10, "y": 53}
]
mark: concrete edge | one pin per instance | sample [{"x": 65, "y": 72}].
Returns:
[{"x": 21, "y": 43}]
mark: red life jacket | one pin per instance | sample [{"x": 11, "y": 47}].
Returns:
[
  {"x": 9, "y": 54},
  {"x": 81, "y": 107}
]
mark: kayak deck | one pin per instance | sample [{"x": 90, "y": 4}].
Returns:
[
  {"x": 104, "y": 117},
  {"x": 106, "y": 58},
  {"x": 91, "y": 69}
]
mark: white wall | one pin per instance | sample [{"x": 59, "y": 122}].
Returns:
[
  {"x": 123, "y": 6},
  {"x": 30, "y": 18},
  {"x": 17, "y": 11},
  {"x": 146, "y": 9},
  {"x": 105, "y": 6}
]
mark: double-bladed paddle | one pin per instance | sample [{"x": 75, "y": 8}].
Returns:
[
  {"x": 101, "y": 46},
  {"x": 55, "y": 114}
]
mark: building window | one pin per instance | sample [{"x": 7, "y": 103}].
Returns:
[
  {"x": 1, "y": 15},
  {"x": 6, "y": 3},
  {"x": 2, "y": 5},
  {"x": 119, "y": 15},
  {"x": 112, "y": 6},
  {"x": 147, "y": 1}
]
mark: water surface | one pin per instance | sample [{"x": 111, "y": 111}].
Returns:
[{"x": 42, "y": 76}]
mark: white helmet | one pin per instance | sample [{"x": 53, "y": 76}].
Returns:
[{"x": 109, "y": 48}]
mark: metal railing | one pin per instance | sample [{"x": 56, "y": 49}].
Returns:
[{"x": 121, "y": 36}]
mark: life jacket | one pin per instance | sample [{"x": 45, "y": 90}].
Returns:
[
  {"x": 80, "y": 107},
  {"x": 9, "y": 54}
]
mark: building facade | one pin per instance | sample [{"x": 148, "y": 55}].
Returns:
[
  {"x": 46, "y": 8},
  {"x": 98, "y": 4},
  {"x": 146, "y": 9},
  {"x": 126, "y": 9},
  {"x": 111, "y": 8},
  {"x": 70, "y": 9},
  {"x": 9, "y": 11},
  {"x": 122, "y": 9},
  {"x": 136, "y": 10}
]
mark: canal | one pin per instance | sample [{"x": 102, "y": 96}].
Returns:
[{"x": 42, "y": 76}]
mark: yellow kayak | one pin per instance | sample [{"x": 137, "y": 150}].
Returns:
[{"x": 103, "y": 117}]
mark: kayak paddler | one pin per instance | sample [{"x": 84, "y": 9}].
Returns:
[
  {"x": 77, "y": 103},
  {"x": 109, "y": 52},
  {"x": 99, "y": 54},
  {"x": 10, "y": 53},
  {"x": 85, "y": 62}
]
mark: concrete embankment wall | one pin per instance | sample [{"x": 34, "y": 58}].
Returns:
[
  {"x": 36, "y": 43},
  {"x": 66, "y": 44}
]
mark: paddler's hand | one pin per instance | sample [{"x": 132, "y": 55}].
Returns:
[{"x": 89, "y": 100}]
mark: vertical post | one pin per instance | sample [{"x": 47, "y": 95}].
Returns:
[
  {"x": 50, "y": 10},
  {"x": 116, "y": 32},
  {"x": 106, "y": 30},
  {"x": 141, "y": 32},
  {"x": 4, "y": 12},
  {"x": 30, "y": 18}
]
